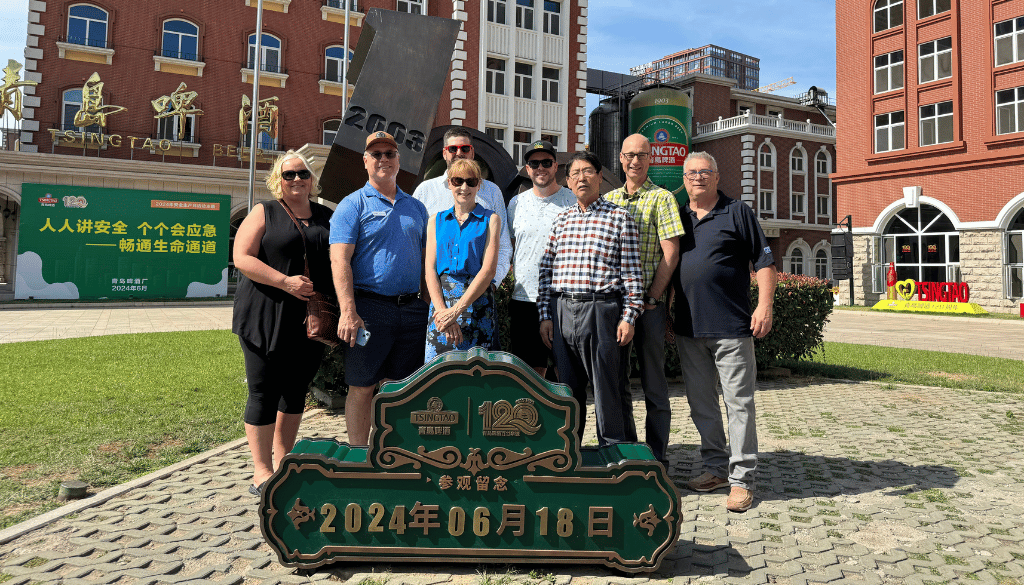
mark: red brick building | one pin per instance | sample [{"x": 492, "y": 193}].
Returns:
[{"x": 931, "y": 143}]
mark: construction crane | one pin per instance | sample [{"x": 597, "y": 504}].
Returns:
[{"x": 777, "y": 85}]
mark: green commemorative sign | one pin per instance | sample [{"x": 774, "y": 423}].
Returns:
[
  {"x": 474, "y": 458},
  {"x": 95, "y": 243}
]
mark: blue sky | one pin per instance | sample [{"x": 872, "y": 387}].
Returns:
[{"x": 791, "y": 37}]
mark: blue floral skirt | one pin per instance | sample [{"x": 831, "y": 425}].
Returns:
[{"x": 478, "y": 325}]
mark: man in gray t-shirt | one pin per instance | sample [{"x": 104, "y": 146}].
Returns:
[{"x": 530, "y": 216}]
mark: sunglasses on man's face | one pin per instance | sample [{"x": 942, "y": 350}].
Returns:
[
  {"x": 377, "y": 154},
  {"x": 458, "y": 181},
  {"x": 536, "y": 164},
  {"x": 465, "y": 148},
  {"x": 290, "y": 175}
]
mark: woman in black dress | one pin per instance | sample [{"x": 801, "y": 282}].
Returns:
[{"x": 270, "y": 306}]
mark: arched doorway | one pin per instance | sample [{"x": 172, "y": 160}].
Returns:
[{"x": 924, "y": 245}]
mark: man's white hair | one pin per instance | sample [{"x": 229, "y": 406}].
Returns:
[{"x": 703, "y": 156}]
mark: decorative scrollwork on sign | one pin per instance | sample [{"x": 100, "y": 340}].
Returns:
[
  {"x": 647, "y": 520},
  {"x": 443, "y": 458},
  {"x": 501, "y": 459},
  {"x": 301, "y": 513}
]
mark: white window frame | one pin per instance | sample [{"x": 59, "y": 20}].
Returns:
[
  {"x": 522, "y": 85},
  {"x": 888, "y": 9},
  {"x": 1013, "y": 271},
  {"x": 88, "y": 25},
  {"x": 1010, "y": 110},
  {"x": 889, "y": 72},
  {"x": 767, "y": 193},
  {"x": 497, "y": 11},
  {"x": 67, "y": 121},
  {"x": 928, "y": 8},
  {"x": 797, "y": 168},
  {"x": 519, "y": 145},
  {"x": 796, "y": 257},
  {"x": 411, "y": 6},
  {"x": 333, "y": 132},
  {"x": 889, "y": 128},
  {"x": 495, "y": 78},
  {"x": 339, "y": 63},
  {"x": 525, "y": 14},
  {"x": 552, "y": 138},
  {"x": 181, "y": 35},
  {"x": 822, "y": 266},
  {"x": 265, "y": 51},
  {"x": 823, "y": 170},
  {"x": 1012, "y": 38},
  {"x": 931, "y": 57},
  {"x": 549, "y": 86},
  {"x": 552, "y": 19},
  {"x": 932, "y": 119}
]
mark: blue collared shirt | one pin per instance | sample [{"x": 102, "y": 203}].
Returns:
[
  {"x": 389, "y": 239},
  {"x": 460, "y": 248}
]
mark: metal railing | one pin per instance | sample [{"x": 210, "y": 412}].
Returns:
[
  {"x": 353, "y": 5},
  {"x": 267, "y": 67},
  {"x": 755, "y": 120},
  {"x": 178, "y": 55},
  {"x": 86, "y": 42}
]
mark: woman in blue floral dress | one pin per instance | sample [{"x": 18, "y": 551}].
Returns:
[{"x": 461, "y": 257}]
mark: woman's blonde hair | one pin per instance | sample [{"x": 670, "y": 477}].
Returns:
[
  {"x": 273, "y": 179},
  {"x": 465, "y": 166}
]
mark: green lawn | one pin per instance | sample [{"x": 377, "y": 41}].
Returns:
[{"x": 109, "y": 409}]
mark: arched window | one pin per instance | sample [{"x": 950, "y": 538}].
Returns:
[
  {"x": 822, "y": 184},
  {"x": 87, "y": 25},
  {"x": 796, "y": 261},
  {"x": 1013, "y": 258},
  {"x": 181, "y": 40},
  {"x": 71, "y": 103},
  {"x": 924, "y": 245},
  {"x": 270, "y": 53},
  {"x": 821, "y": 264},
  {"x": 334, "y": 66},
  {"x": 330, "y": 130},
  {"x": 888, "y": 14},
  {"x": 766, "y": 179},
  {"x": 797, "y": 181}
]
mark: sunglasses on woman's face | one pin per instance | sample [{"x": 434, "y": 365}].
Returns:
[
  {"x": 290, "y": 175},
  {"x": 458, "y": 181}
]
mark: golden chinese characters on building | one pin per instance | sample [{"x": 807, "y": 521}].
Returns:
[
  {"x": 93, "y": 111},
  {"x": 10, "y": 95},
  {"x": 179, "y": 104},
  {"x": 266, "y": 115}
]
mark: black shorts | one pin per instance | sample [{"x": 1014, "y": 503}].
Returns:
[
  {"x": 395, "y": 349},
  {"x": 526, "y": 344}
]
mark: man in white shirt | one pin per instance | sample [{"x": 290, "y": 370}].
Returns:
[
  {"x": 436, "y": 196},
  {"x": 531, "y": 214}
]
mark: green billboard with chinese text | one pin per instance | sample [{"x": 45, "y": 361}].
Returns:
[{"x": 99, "y": 243}]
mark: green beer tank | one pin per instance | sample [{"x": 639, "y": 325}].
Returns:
[{"x": 663, "y": 115}]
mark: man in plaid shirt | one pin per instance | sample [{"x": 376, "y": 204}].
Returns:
[
  {"x": 591, "y": 265},
  {"x": 656, "y": 213}
]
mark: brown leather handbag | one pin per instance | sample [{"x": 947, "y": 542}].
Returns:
[{"x": 322, "y": 310}]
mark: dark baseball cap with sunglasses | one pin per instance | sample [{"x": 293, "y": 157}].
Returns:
[{"x": 538, "y": 146}]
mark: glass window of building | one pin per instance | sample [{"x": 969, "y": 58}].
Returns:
[
  {"x": 524, "y": 14},
  {"x": 552, "y": 138},
  {"x": 87, "y": 25},
  {"x": 1010, "y": 110},
  {"x": 331, "y": 128},
  {"x": 926, "y": 8},
  {"x": 796, "y": 261},
  {"x": 1013, "y": 258},
  {"x": 767, "y": 201},
  {"x": 181, "y": 40},
  {"x": 889, "y": 72},
  {"x": 766, "y": 179},
  {"x": 412, "y": 6},
  {"x": 552, "y": 17},
  {"x": 265, "y": 140},
  {"x": 496, "y": 11},
  {"x": 524, "y": 81},
  {"x": 821, "y": 264},
  {"x": 495, "y": 82},
  {"x": 496, "y": 134},
  {"x": 270, "y": 53},
  {"x": 923, "y": 244},
  {"x": 1010, "y": 41},
  {"x": 935, "y": 59},
  {"x": 889, "y": 132},
  {"x": 549, "y": 84},
  {"x": 937, "y": 123},
  {"x": 821, "y": 166},
  {"x": 520, "y": 140},
  {"x": 765, "y": 157},
  {"x": 798, "y": 182},
  {"x": 334, "y": 65},
  {"x": 72, "y": 102},
  {"x": 888, "y": 14}
]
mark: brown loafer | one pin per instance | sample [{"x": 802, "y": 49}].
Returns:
[
  {"x": 707, "y": 482},
  {"x": 740, "y": 499}
]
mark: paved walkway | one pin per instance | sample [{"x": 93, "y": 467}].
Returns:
[{"x": 858, "y": 483}]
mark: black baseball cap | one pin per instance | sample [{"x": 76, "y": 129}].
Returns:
[{"x": 538, "y": 146}]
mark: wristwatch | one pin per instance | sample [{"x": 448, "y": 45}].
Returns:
[{"x": 651, "y": 300}]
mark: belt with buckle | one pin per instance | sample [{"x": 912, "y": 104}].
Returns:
[
  {"x": 591, "y": 296},
  {"x": 399, "y": 300}
]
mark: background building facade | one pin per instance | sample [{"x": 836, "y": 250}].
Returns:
[
  {"x": 709, "y": 60},
  {"x": 931, "y": 143}
]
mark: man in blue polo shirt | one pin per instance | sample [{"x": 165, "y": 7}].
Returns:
[
  {"x": 378, "y": 235},
  {"x": 715, "y": 328}
]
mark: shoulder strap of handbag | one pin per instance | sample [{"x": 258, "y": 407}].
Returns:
[{"x": 305, "y": 251}]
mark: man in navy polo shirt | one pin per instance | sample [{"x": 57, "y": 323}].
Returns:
[
  {"x": 378, "y": 235},
  {"x": 715, "y": 328}
]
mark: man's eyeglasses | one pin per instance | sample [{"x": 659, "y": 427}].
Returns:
[
  {"x": 377, "y": 154},
  {"x": 290, "y": 175},
  {"x": 465, "y": 148},
  {"x": 703, "y": 174},
  {"x": 631, "y": 155},
  {"x": 536, "y": 164},
  {"x": 458, "y": 181},
  {"x": 587, "y": 172}
]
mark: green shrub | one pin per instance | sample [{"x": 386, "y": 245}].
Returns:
[{"x": 801, "y": 308}]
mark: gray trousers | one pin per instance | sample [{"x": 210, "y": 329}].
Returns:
[
  {"x": 705, "y": 361},
  {"x": 585, "y": 350},
  {"x": 649, "y": 340}
]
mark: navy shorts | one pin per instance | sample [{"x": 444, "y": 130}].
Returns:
[
  {"x": 395, "y": 349},
  {"x": 525, "y": 343}
]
